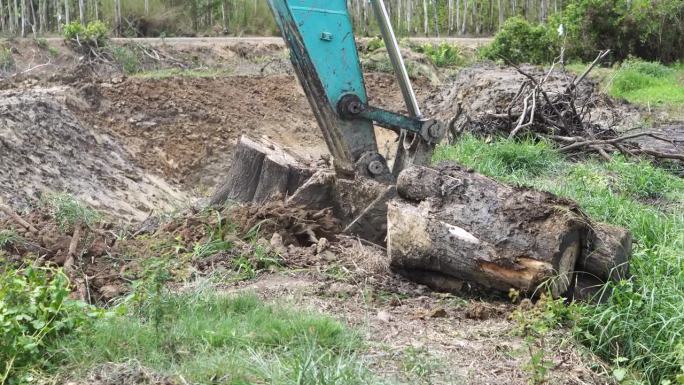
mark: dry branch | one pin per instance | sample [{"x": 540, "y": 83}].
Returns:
[{"x": 16, "y": 218}]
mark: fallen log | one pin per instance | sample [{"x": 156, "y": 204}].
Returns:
[
  {"x": 607, "y": 251},
  {"x": 472, "y": 228}
]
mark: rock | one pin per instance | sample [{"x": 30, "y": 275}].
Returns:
[
  {"x": 384, "y": 316},
  {"x": 322, "y": 245}
]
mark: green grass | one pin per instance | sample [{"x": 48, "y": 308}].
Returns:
[
  {"x": 177, "y": 72},
  {"x": 643, "y": 83},
  {"x": 207, "y": 337},
  {"x": 68, "y": 211},
  {"x": 642, "y": 323}
]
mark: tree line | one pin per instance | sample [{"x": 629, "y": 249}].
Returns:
[{"x": 253, "y": 17}]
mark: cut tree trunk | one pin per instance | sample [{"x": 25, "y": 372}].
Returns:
[
  {"x": 606, "y": 255},
  {"x": 471, "y": 228},
  {"x": 261, "y": 171}
]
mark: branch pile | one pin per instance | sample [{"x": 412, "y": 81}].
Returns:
[{"x": 517, "y": 101}]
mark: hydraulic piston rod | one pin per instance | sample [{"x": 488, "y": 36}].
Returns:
[{"x": 396, "y": 59}]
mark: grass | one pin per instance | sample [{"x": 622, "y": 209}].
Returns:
[
  {"x": 642, "y": 324},
  {"x": 68, "y": 211},
  {"x": 202, "y": 336},
  {"x": 647, "y": 84},
  {"x": 6, "y": 59}
]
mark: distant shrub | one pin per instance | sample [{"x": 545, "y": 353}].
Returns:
[
  {"x": 6, "y": 59},
  {"x": 651, "y": 30},
  {"x": 92, "y": 35},
  {"x": 523, "y": 42},
  {"x": 443, "y": 55}
]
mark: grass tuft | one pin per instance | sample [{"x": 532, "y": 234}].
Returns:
[
  {"x": 208, "y": 337},
  {"x": 642, "y": 325},
  {"x": 649, "y": 83},
  {"x": 68, "y": 211}
]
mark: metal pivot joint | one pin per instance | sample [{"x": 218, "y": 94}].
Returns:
[{"x": 351, "y": 107}]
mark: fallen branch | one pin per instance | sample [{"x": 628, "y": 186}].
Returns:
[
  {"x": 16, "y": 218},
  {"x": 73, "y": 247}
]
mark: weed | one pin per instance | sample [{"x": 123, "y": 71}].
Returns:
[
  {"x": 375, "y": 44},
  {"x": 208, "y": 337},
  {"x": 53, "y": 51},
  {"x": 68, "y": 211},
  {"x": 6, "y": 59},
  {"x": 443, "y": 55},
  {"x": 34, "y": 312},
  {"x": 418, "y": 364},
  {"x": 127, "y": 59},
  {"x": 8, "y": 238},
  {"x": 643, "y": 320},
  {"x": 41, "y": 42},
  {"x": 94, "y": 34}
]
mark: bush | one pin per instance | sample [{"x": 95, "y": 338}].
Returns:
[
  {"x": 521, "y": 41},
  {"x": 647, "y": 83},
  {"x": 34, "y": 311},
  {"x": 6, "y": 59},
  {"x": 651, "y": 30},
  {"x": 443, "y": 55},
  {"x": 93, "y": 34}
]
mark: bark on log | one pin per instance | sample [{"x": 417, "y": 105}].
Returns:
[
  {"x": 472, "y": 228},
  {"x": 606, "y": 254},
  {"x": 261, "y": 170}
]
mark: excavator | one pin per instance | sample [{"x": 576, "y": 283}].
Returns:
[
  {"x": 324, "y": 55},
  {"x": 441, "y": 225}
]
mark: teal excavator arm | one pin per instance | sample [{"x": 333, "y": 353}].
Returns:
[{"x": 324, "y": 55}]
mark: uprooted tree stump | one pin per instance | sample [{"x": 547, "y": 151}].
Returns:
[{"x": 449, "y": 225}]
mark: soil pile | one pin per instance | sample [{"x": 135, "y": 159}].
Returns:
[
  {"x": 45, "y": 148},
  {"x": 479, "y": 95}
]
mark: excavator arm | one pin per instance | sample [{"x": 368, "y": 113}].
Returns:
[{"x": 324, "y": 55}]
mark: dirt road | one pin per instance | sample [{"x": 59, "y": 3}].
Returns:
[{"x": 468, "y": 42}]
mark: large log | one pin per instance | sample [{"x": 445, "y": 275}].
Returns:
[
  {"x": 469, "y": 227},
  {"x": 607, "y": 251}
]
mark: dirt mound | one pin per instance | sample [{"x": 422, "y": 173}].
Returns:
[
  {"x": 479, "y": 93},
  {"x": 45, "y": 148}
]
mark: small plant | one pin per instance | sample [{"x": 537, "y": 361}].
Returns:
[
  {"x": 127, "y": 59},
  {"x": 535, "y": 324},
  {"x": 375, "y": 44},
  {"x": 418, "y": 364},
  {"x": 68, "y": 211},
  {"x": 8, "y": 238},
  {"x": 34, "y": 311},
  {"x": 42, "y": 43},
  {"x": 6, "y": 59},
  {"x": 443, "y": 55}
]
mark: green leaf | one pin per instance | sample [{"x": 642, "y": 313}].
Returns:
[{"x": 619, "y": 374}]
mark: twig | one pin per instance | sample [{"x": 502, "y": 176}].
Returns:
[
  {"x": 19, "y": 220},
  {"x": 600, "y": 57},
  {"x": 73, "y": 246},
  {"x": 598, "y": 141}
]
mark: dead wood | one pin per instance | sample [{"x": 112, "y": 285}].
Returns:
[
  {"x": 466, "y": 226},
  {"x": 17, "y": 219}
]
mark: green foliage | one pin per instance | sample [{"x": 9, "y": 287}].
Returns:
[
  {"x": 504, "y": 159},
  {"x": 203, "y": 335},
  {"x": 443, "y": 55},
  {"x": 6, "y": 59},
  {"x": 643, "y": 320},
  {"x": 651, "y": 30},
  {"x": 8, "y": 238},
  {"x": 68, "y": 211},
  {"x": 34, "y": 312},
  {"x": 127, "y": 59},
  {"x": 418, "y": 365},
  {"x": 648, "y": 83},
  {"x": 375, "y": 44},
  {"x": 42, "y": 43},
  {"x": 523, "y": 42},
  {"x": 92, "y": 35}
]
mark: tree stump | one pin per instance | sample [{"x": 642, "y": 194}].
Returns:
[
  {"x": 469, "y": 227},
  {"x": 261, "y": 171}
]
